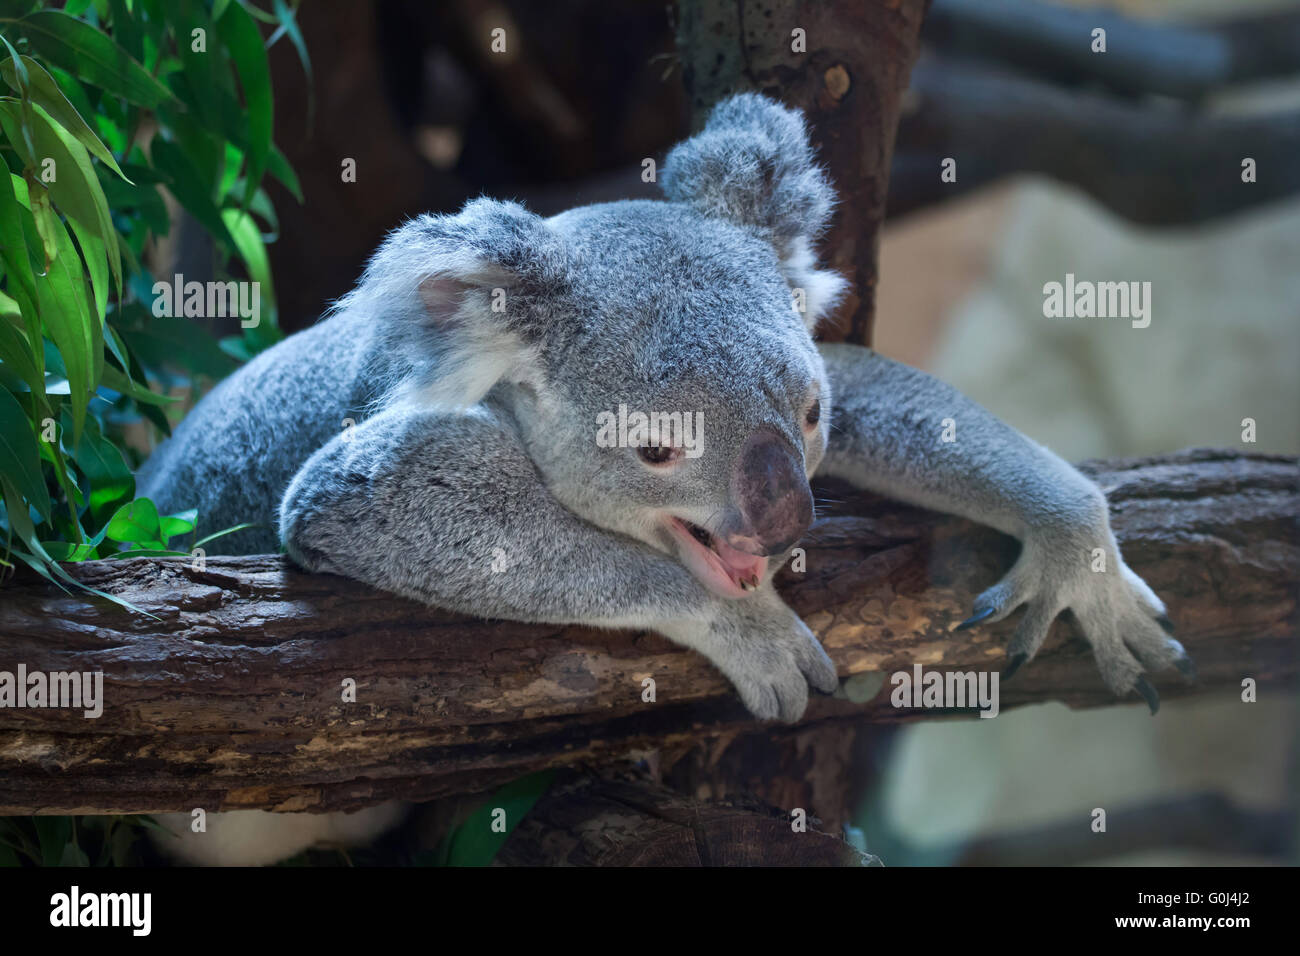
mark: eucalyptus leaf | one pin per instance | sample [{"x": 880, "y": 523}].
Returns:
[
  {"x": 45, "y": 92},
  {"x": 21, "y": 454},
  {"x": 136, "y": 521},
  {"x": 88, "y": 53},
  {"x": 244, "y": 41}
]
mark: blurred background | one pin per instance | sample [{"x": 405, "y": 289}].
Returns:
[{"x": 1123, "y": 166}]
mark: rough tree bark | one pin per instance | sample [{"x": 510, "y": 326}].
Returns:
[
  {"x": 585, "y": 820},
  {"x": 229, "y": 696},
  {"x": 849, "y": 82}
]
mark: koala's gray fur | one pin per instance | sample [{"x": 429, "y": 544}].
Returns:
[{"x": 474, "y": 428}]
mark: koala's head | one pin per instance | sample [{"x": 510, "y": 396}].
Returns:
[{"x": 656, "y": 355}]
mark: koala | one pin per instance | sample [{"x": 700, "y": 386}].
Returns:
[{"x": 444, "y": 415}]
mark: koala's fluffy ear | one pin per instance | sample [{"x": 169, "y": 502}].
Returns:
[
  {"x": 753, "y": 165},
  {"x": 460, "y": 301}
]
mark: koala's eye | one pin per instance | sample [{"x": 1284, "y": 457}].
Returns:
[
  {"x": 814, "y": 414},
  {"x": 659, "y": 454}
]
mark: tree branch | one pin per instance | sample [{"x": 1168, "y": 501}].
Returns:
[
  {"x": 1054, "y": 42},
  {"x": 1147, "y": 162},
  {"x": 230, "y": 695}
]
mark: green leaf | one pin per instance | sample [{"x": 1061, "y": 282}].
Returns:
[
  {"x": 125, "y": 29},
  {"x": 117, "y": 347},
  {"x": 92, "y": 251},
  {"x": 65, "y": 551},
  {"x": 160, "y": 341},
  {"x": 22, "y": 455},
  {"x": 188, "y": 186},
  {"x": 122, "y": 844},
  {"x": 120, "y": 382},
  {"x": 45, "y": 92},
  {"x": 244, "y": 41},
  {"x": 182, "y": 523},
  {"x": 87, "y": 190},
  {"x": 13, "y": 244},
  {"x": 261, "y": 205},
  {"x": 200, "y": 142},
  {"x": 135, "y": 522},
  {"x": 199, "y": 66},
  {"x": 53, "y": 454},
  {"x": 74, "y": 855},
  {"x": 48, "y": 224},
  {"x": 225, "y": 531},
  {"x": 474, "y": 842},
  {"x": 23, "y": 79},
  {"x": 259, "y": 14},
  {"x": 88, "y": 53},
  {"x": 233, "y": 129},
  {"x": 248, "y": 242},
  {"x": 65, "y": 311},
  {"x": 143, "y": 197},
  {"x": 103, "y": 465},
  {"x": 39, "y": 561},
  {"x": 13, "y": 9},
  {"x": 279, "y": 167},
  {"x": 54, "y": 834},
  {"x": 289, "y": 25},
  {"x": 16, "y": 353},
  {"x": 141, "y": 174},
  {"x": 75, "y": 187}
]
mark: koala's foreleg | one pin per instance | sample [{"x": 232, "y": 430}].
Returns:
[
  {"x": 449, "y": 510},
  {"x": 900, "y": 432}
]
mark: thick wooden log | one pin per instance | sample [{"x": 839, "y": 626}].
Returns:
[{"x": 228, "y": 693}]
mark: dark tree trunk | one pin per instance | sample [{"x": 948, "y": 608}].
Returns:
[{"x": 849, "y": 82}]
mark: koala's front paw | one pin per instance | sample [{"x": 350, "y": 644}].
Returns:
[
  {"x": 770, "y": 656},
  {"x": 1120, "y": 616}
]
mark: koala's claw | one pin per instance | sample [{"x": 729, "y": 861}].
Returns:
[
  {"x": 974, "y": 619},
  {"x": 1013, "y": 664},
  {"x": 783, "y": 698},
  {"x": 772, "y": 658},
  {"x": 1143, "y": 687},
  {"x": 1119, "y": 615},
  {"x": 781, "y": 693}
]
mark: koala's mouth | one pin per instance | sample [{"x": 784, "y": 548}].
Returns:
[{"x": 719, "y": 567}]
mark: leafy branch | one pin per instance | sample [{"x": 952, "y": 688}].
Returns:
[{"x": 116, "y": 115}]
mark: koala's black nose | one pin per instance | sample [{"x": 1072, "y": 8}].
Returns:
[{"x": 771, "y": 490}]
